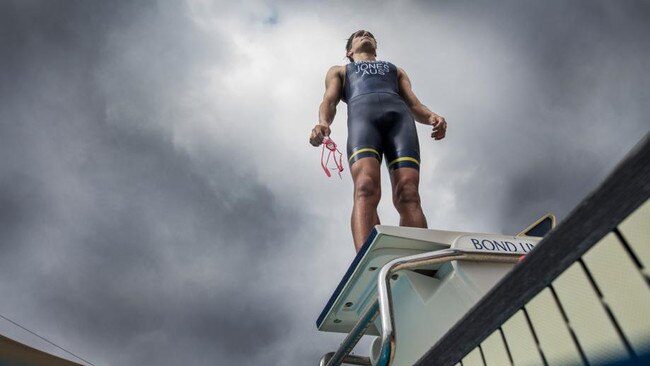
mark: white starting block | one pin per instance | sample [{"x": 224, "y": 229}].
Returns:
[{"x": 408, "y": 286}]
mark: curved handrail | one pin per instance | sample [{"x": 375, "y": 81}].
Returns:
[
  {"x": 383, "y": 303},
  {"x": 349, "y": 359},
  {"x": 353, "y": 337},
  {"x": 387, "y": 350}
]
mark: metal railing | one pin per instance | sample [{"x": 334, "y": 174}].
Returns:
[
  {"x": 383, "y": 304},
  {"x": 349, "y": 359},
  {"x": 600, "y": 214}
]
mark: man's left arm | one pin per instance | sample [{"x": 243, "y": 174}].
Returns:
[{"x": 420, "y": 112}]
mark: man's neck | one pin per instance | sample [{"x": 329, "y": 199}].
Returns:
[{"x": 364, "y": 56}]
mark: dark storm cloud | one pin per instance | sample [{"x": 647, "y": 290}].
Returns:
[
  {"x": 130, "y": 247},
  {"x": 593, "y": 84},
  {"x": 582, "y": 83},
  {"x": 126, "y": 248}
]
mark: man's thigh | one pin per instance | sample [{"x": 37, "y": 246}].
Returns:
[
  {"x": 366, "y": 171},
  {"x": 405, "y": 176}
]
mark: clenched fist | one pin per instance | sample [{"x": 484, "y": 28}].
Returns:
[{"x": 318, "y": 133}]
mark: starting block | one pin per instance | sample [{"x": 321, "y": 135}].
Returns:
[{"x": 408, "y": 286}]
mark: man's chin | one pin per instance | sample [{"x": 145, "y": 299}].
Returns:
[{"x": 368, "y": 48}]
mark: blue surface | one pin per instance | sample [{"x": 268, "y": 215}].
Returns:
[
  {"x": 641, "y": 360},
  {"x": 346, "y": 277}
]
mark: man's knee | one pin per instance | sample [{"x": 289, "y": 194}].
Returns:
[
  {"x": 367, "y": 188},
  {"x": 406, "y": 194}
]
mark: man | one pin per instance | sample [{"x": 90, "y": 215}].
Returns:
[{"x": 381, "y": 110}]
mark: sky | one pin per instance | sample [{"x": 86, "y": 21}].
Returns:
[{"x": 160, "y": 203}]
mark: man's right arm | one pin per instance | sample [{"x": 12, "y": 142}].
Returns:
[{"x": 327, "y": 109}]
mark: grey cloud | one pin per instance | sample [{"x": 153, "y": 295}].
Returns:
[
  {"x": 130, "y": 248},
  {"x": 579, "y": 104},
  {"x": 106, "y": 223}
]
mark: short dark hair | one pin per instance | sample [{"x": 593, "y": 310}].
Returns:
[{"x": 348, "y": 45}]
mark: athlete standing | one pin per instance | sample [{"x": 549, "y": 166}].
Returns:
[{"x": 381, "y": 111}]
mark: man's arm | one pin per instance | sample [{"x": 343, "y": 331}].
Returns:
[
  {"x": 420, "y": 112},
  {"x": 327, "y": 109}
]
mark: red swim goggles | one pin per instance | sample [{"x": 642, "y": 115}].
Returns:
[{"x": 333, "y": 150}]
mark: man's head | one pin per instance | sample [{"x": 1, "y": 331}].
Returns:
[{"x": 360, "y": 41}]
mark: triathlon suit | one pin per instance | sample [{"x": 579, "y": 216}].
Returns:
[{"x": 379, "y": 121}]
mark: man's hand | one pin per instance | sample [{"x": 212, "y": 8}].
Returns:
[
  {"x": 318, "y": 133},
  {"x": 439, "y": 126}
]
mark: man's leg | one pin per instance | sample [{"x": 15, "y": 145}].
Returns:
[
  {"x": 406, "y": 197},
  {"x": 367, "y": 192}
]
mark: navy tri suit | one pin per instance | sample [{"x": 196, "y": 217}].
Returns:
[{"x": 379, "y": 121}]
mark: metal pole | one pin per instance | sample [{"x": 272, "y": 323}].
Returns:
[
  {"x": 383, "y": 304},
  {"x": 387, "y": 351},
  {"x": 354, "y": 336}
]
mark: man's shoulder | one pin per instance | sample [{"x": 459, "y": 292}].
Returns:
[{"x": 337, "y": 68}]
